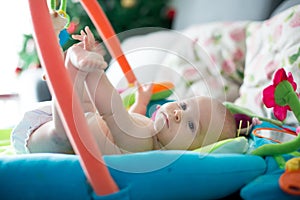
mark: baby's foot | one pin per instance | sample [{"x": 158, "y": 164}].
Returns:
[{"x": 84, "y": 60}]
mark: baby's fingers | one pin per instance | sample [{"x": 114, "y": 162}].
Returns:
[
  {"x": 148, "y": 87},
  {"x": 77, "y": 37},
  {"x": 82, "y": 33},
  {"x": 145, "y": 88},
  {"x": 89, "y": 34}
]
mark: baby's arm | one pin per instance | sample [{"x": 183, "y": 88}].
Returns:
[{"x": 130, "y": 133}]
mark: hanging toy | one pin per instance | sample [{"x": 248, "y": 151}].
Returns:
[{"x": 61, "y": 20}]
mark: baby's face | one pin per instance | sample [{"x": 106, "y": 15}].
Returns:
[
  {"x": 177, "y": 124},
  {"x": 192, "y": 123}
]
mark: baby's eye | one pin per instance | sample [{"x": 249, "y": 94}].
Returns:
[
  {"x": 191, "y": 126},
  {"x": 183, "y": 105}
]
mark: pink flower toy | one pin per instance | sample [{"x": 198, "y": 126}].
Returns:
[{"x": 281, "y": 96}]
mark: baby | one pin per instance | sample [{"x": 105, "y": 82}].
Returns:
[{"x": 183, "y": 125}]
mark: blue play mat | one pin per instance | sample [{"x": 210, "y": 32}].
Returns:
[
  {"x": 147, "y": 175},
  {"x": 151, "y": 175}
]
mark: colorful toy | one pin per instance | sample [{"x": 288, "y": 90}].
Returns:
[
  {"x": 281, "y": 96},
  {"x": 62, "y": 9},
  {"x": 160, "y": 91},
  {"x": 279, "y": 141},
  {"x": 235, "y": 109}
]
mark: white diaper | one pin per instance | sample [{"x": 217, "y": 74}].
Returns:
[{"x": 30, "y": 122}]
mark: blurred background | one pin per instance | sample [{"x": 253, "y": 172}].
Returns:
[{"x": 21, "y": 86}]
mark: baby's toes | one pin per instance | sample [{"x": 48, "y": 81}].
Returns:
[{"x": 91, "y": 62}]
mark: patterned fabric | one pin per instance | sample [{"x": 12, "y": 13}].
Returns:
[
  {"x": 270, "y": 45},
  {"x": 210, "y": 57}
]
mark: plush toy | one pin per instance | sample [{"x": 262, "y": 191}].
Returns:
[
  {"x": 281, "y": 96},
  {"x": 245, "y": 118}
]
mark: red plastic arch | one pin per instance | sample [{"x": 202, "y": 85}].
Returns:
[
  {"x": 109, "y": 37},
  {"x": 68, "y": 103}
]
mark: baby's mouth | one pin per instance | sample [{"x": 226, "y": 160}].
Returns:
[
  {"x": 161, "y": 120},
  {"x": 166, "y": 118}
]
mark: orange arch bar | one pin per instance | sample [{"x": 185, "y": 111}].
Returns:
[
  {"x": 109, "y": 37},
  {"x": 68, "y": 103}
]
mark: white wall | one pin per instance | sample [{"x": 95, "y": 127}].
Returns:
[
  {"x": 15, "y": 21},
  {"x": 190, "y": 12}
]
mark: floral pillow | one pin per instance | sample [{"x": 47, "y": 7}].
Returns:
[
  {"x": 210, "y": 59},
  {"x": 270, "y": 45}
]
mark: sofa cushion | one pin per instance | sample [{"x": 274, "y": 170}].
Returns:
[
  {"x": 208, "y": 60},
  {"x": 270, "y": 44}
]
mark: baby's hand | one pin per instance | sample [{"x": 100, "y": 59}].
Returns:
[
  {"x": 144, "y": 93},
  {"x": 88, "y": 41}
]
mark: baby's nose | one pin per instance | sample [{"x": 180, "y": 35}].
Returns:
[{"x": 177, "y": 115}]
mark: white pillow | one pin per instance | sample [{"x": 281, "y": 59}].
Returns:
[
  {"x": 144, "y": 54},
  {"x": 208, "y": 60},
  {"x": 270, "y": 44}
]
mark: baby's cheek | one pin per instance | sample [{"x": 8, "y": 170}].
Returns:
[{"x": 159, "y": 123}]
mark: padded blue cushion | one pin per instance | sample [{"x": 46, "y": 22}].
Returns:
[
  {"x": 148, "y": 175},
  {"x": 267, "y": 186}
]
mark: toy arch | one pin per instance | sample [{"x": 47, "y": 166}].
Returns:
[{"x": 68, "y": 103}]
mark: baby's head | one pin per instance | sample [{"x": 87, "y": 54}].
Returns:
[{"x": 193, "y": 123}]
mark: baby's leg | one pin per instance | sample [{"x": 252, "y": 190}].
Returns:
[
  {"x": 51, "y": 136},
  {"x": 78, "y": 62},
  {"x": 102, "y": 135}
]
